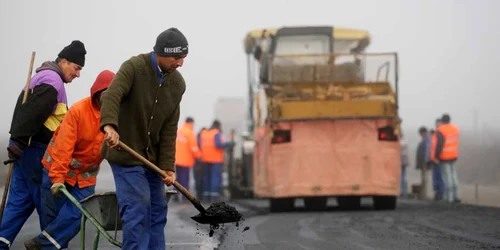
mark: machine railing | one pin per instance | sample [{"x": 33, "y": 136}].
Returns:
[{"x": 330, "y": 68}]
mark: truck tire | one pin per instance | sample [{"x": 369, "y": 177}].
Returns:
[
  {"x": 384, "y": 202},
  {"x": 315, "y": 203},
  {"x": 277, "y": 205},
  {"x": 349, "y": 202}
]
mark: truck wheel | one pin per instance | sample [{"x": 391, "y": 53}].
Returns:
[
  {"x": 384, "y": 202},
  {"x": 281, "y": 205},
  {"x": 315, "y": 203},
  {"x": 349, "y": 202}
]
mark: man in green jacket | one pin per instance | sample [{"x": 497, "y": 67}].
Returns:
[{"x": 142, "y": 103}]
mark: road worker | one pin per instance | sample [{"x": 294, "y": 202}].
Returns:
[
  {"x": 446, "y": 156},
  {"x": 186, "y": 151},
  {"x": 198, "y": 168},
  {"x": 32, "y": 127},
  {"x": 72, "y": 161},
  {"x": 405, "y": 162},
  {"x": 437, "y": 180},
  {"x": 212, "y": 148},
  {"x": 142, "y": 103}
]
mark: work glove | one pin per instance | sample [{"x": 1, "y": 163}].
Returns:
[
  {"x": 14, "y": 151},
  {"x": 55, "y": 188}
]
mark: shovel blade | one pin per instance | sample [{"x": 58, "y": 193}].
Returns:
[{"x": 204, "y": 219}]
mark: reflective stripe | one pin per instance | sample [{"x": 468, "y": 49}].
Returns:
[
  {"x": 449, "y": 149},
  {"x": 47, "y": 157},
  {"x": 71, "y": 173},
  {"x": 181, "y": 138},
  {"x": 4, "y": 240},
  {"x": 51, "y": 142},
  {"x": 92, "y": 171},
  {"x": 76, "y": 164},
  {"x": 52, "y": 240}
]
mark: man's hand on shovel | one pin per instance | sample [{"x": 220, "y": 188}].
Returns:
[
  {"x": 170, "y": 179},
  {"x": 111, "y": 137}
]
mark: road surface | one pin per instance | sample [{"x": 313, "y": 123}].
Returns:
[{"x": 414, "y": 225}]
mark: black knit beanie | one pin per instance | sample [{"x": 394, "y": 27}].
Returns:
[
  {"x": 171, "y": 42},
  {"x": 75, "y": 53}
]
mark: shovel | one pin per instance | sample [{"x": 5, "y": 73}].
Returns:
[{"x": 202, "y": 218}]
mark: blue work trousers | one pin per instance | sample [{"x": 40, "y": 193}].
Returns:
[
  {"x": 24, "y": 193},
  {"x": 143, "y": 207},
  {"x": 182, "y": 176},
  {"x": 212, "y": 176},
  {"x": 437, "y": 181},
  {"x": 62, "y": 216},
  {"x": 198, "y": 178}
]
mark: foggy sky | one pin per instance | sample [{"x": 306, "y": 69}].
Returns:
[{"x": 445, "y": 47}]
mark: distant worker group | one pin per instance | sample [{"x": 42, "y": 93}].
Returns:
[
  {"x": 438, "y": 152},
  {"x": 204, "y": 153}
]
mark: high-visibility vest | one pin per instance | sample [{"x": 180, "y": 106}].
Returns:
[
  {"x": 433, "y": 147},
  {"x": 210, "y": 152},
  {"x": 450, "y": 148},
  {"x": 186, "y": 147}
]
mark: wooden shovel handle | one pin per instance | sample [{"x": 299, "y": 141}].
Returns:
[
  {"x": 11, "y": 162},
  {"x": 162, "y": 173}
]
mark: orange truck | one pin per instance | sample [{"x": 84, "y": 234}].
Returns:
[{"x": 322, "y": 120}]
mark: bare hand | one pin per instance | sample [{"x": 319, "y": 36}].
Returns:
[
  {"x": 170, "y": 179},
  {"x": 54, "y": 189},
  {"x": 111, "y": 137}
]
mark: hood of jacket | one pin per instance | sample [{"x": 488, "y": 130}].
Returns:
[
  {"x": 51, "y": 65},
  {"x": 101, "y": 82}
]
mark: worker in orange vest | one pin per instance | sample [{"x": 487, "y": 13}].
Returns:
[
  {"x": 198, "y": 168},
  {"x": 446, "y": 156},
  {"x": 212, "y": 148},
  {"x": 437, "y": 180},
  {"x": 186, "y": 151},
  {"x": 72, "y": 160}
]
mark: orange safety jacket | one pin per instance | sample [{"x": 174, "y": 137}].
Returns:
[
  {"x": 433, "y": 147},
  {"x": 186, "y": 147},
  {"x": 210, "y": 152},
  {"x": 73, "y": 154},
  {"x": 450, "y": 147}
]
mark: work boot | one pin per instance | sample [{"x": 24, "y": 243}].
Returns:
[{"x": 33, "y": 244}]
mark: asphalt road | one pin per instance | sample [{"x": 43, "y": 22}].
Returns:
[{"x": 413, "y": 225}]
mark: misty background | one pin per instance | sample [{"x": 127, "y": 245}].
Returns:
[{"x": 448, "y": 54}]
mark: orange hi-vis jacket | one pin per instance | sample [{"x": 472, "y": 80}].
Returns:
[
  {"x": 433, "y": 147},
  {"x": 450, "y": 148},
  {"x": 186, "y": 147},
  {"x": 73, "y": 154},
  {"x": 210, "y": 152}
]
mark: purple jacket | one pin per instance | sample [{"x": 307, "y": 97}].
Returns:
[{"x": 38, "y": 117}]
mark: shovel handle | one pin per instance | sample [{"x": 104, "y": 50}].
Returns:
[{"x": 162, "y": 173}]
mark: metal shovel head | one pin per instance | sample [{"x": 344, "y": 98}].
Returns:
[{"x": 210, "y": 219}]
